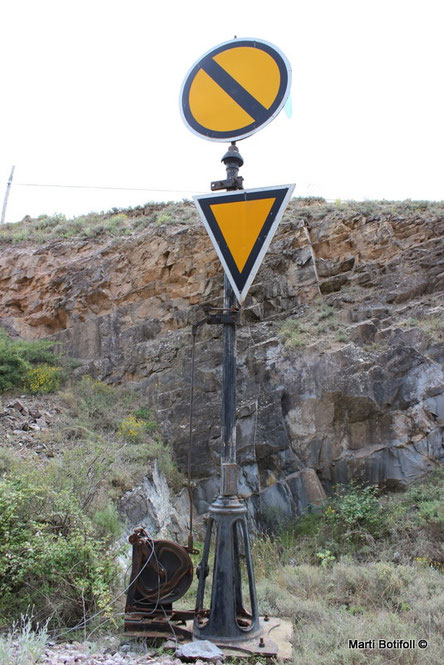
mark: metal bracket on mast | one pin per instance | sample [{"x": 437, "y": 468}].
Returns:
[{"x": 233, "y": 161}]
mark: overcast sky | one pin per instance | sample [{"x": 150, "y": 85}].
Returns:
[{"x": 90, "y": 96}]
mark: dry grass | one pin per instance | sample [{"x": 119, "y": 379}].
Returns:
[{"x": 329, "y": 606}]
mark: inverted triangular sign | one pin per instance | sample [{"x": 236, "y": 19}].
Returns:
[{"x": 241, "y": 225}]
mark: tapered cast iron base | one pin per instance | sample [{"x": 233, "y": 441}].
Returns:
[{"x": 227, "y": 620}]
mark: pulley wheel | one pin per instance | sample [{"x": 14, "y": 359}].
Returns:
[{"x": 165, "y": 573}]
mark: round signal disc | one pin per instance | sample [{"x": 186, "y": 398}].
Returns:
[{"x": 235, "y": 89}]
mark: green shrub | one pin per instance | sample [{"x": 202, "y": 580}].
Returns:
[
  {"x": 433, "y": 326},
  {"x": 360, "y": 523},
  {"x": 21, "y": 235},
  {"x": 43, "y": 379},
  {"x": 85, "y": 470},
  {"x": 162, "y": 219},
  {"x": 345, "y": 524},
  {"x": 18, "y": 359},
  {"x": 132, "y": 428},
  {"x": 325, "y": 557},
  {"x": 294, "y": 333},
  {"x": 355, "y": 512},
  {"x": 107, "y": 523},
  {"x": 13, "y": 367},
  {"x": 49, "y": 221},
  {"x": 146, "y": 415},
  {"x": 115, "y": 224},
  {"x": 163, "y": 455},
  {"x": 96, "y": 405},
  {"x": 50, "y": 556}
]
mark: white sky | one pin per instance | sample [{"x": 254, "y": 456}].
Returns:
[{"x": 90, "y": 89}]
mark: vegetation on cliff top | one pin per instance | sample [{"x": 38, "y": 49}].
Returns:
[
  {"x": 114, "y": 223},
  {"x": 127, "y": 221}
]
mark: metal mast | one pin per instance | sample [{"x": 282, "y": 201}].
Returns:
[{"x": 227, "y": 620}]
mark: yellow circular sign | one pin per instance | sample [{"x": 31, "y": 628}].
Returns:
[{"x": 235, "y": 89}]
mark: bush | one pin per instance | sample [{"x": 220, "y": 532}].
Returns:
[
  {"x": 23, "y": 364},
  {"x": 132, "y": 428},
  {"x": 13, "y": 367},
  {"x": 347, "y": 523},
  {"x": 107, "y": 523},
  {"x": 416, "y": 520},
  {"x": 145, "y": 414},
  {"x": 96, "y": 405},
  {"x": 43, "y": 379},
  {"x": 355, "y": 513},
  {"x": 50, "y": 555}
]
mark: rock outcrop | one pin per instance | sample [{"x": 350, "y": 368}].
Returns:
[
  {"x": 360, "y": 392},
  {"x": 153, "y": 505}
]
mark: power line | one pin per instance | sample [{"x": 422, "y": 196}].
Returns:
[
  {"x": 123, "y": 189},
  {"x": 128, "y": 189}
]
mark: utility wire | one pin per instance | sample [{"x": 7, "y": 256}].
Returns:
[{"x": 125, "y": 189}]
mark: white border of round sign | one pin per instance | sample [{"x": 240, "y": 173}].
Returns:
[{"x": 232, "y": 42}]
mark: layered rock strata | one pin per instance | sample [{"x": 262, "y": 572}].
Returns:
[{"x": 364, "y": 400}]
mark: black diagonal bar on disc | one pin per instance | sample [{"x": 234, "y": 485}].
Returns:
[{"x": 235, "y": 90}]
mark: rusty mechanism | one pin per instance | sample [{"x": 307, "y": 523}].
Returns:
[{"x": 162, "y": 572}]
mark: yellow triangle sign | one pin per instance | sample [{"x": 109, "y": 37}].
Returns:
[{"x": 241, "y": 225}]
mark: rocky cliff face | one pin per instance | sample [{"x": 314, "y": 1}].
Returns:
[{"x": 340, "y": 349}]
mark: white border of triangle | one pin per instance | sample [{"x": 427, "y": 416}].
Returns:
[{"x": 241, "y": 295}]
